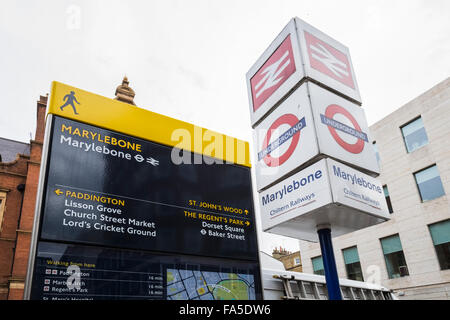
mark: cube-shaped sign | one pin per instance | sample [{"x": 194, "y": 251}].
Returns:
[
  {"x": 299, "y": 53},
  {"x": 285, "y": 139},
  {"x": 277, "y": 72},
  {"x": 327, "y": 192},
  {"x": 310, "y": 124},
  {"x": 327, "y": 61},
  {"x": 342, "y": 130}
]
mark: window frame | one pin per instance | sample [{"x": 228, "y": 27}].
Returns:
[
  {"x": 346, "y": 264},
  {"x": 403, "y": 136},
  {"x": 389, "y": 204},
  {"x": 2, "y": 207},
  {"x": 385, "y": 260},
  {"x": 314, "y": 271},
  {"x": 434, "y": 246},
  {"x": 417, "y": 185}
]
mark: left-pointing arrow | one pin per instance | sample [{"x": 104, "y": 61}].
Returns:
[{"x": 58, "y": 192}]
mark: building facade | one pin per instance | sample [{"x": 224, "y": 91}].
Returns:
[
  {"x": 291, "y": 260},
  {"x": 409, "y": 254},
  {"x": 19, "y": 175}
]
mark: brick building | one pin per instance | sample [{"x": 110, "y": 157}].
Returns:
[
  {"x": 19, "y": 175},
  {"x": 291, "y": 260}
]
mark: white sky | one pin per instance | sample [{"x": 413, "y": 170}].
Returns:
[{"x": 187, "y": 59}]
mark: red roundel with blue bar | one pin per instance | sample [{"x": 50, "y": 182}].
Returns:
[
  {"x": 292, "y": 135},
  {"x": 333, "y": 126}
]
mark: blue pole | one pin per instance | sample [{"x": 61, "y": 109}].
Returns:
[{"x": 329, "y": 264}]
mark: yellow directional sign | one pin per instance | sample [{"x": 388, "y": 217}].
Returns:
[
  {"x": 93, "y": 109},
  {"x": 59, "y": 192}
]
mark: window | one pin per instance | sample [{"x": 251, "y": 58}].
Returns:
[
  {"x": 296, "y": 261},
  {"x": 2, "y": 207},
  {"x": 394, "y": 257},
  {"x": 388, "y": 199},
  {"x": 414, "y": 135},
  {"x": 429, "y": 183},
  {"x": 440, "y": 233},
  {"x": 377, "y": 154},
  {"x": 317, "y": 263},
  {"x": 352, "y": 264}
]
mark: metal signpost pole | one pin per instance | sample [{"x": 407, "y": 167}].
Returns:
[{"x": 329, "y": 263}]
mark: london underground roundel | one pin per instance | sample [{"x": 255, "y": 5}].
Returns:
[
  {"x": 334, "y": 126},
  {"x": 291, "y": 136}
]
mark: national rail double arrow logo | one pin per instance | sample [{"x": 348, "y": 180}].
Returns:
[
  {"x": 292, "y": 135},
  {"x": 273, "y": 73},
  {"x": 329, "y": 60},
  {"x": 333, "y": 125}
]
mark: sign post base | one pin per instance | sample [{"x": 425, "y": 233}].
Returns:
[{"x": 329, "y": 263}]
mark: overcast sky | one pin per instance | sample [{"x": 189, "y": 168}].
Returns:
[{"x": 187, "y": 59}]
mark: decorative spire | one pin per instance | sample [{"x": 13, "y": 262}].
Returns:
[{"x": 124, "y": 93}]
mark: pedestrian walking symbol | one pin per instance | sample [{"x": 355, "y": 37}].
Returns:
[{"x": 70, "y": 99}]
